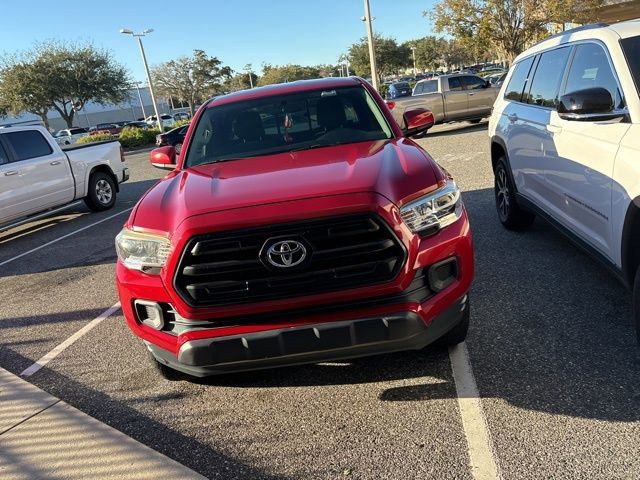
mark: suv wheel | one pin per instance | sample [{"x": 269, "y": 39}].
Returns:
[
  {"x": 101, "y": 192},
  {"x": 509, "y": 213},
  {"x": 636, "y": 303}
]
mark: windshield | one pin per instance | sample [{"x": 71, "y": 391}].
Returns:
[
  {"x": 631, "y": 48},
  {"x": 284, "y": 123}
]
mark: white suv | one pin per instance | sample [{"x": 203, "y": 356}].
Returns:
[{"x": 565, "y": 143}]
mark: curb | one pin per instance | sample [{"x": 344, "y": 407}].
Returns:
[{"x": 43, "y": 437}]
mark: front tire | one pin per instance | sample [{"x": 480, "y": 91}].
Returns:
[
  {"x": 636, "y": 303},
  {"x": 510, "y": 214},
  {"x": 101, "y": 192}
]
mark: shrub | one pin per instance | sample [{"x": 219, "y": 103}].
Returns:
[
  {"x": 180, "y": 123},
  {"x": 131, "y": 137},
  {"x": 383, "y": 89},
  {"x": 100, "y": 137}
]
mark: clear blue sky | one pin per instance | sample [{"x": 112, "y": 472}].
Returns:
[{"x": 237, "y": 32}]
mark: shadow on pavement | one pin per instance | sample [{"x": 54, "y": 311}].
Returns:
[
  {"x": 208, "y": 461},
  {"x": 447, "y": 130}
]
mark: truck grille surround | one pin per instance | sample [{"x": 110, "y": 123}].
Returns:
[{"x": 288, "y": 260}]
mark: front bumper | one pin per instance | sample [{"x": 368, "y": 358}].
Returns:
[{"x": 311, "y": 343}]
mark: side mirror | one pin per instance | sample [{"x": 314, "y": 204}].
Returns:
[
  {"x": 590, "y": 104},
  {"x": 417, "y": 121},
  {"x": 164, "y": 158}
]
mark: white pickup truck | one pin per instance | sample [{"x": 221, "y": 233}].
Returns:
[{"x": 37, "y": 175}]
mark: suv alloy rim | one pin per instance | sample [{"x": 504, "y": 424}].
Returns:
[
  {"x": 103, "y": 192},
  {"x": 502, "y": 188}
]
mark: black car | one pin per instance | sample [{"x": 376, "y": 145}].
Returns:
[
  {"x": 173, "y": 137},
  {"x": 399, "y": 89}
]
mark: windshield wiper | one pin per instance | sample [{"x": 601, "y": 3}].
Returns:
[{"x": 316, "y": 145}]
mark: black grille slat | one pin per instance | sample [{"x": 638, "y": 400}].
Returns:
[{"x": 345, "y": 252}]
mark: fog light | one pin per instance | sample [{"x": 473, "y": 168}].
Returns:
[
  {"x": 150, "y": 314},
  {"x": 443, "y": 274}
]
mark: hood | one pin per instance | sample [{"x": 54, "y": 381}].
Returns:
[{"x": 395, "y": 168}]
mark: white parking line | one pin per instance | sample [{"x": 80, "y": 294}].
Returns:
[
  {"x": 63, "y": 237},
  {"x": 481, "y": 453},
  {"x": 69, "y": 341}
]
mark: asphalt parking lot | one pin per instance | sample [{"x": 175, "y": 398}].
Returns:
[{"x": 551, "y": 346}]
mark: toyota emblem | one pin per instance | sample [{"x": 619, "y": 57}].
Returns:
[{"x": 286, "y": 254}]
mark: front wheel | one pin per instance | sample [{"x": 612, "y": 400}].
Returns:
[
  {"x": 510, "y": 214},
  {"x": 636, "y": 303},
  {"x": 101, "y": 192}
]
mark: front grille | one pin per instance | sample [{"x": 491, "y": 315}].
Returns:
[{"x": 342, "y": 252}]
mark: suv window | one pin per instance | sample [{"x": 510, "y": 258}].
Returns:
[
  {"x": 472, "y": 82},
  {"x": 546, "y": 80},
  {"x": 518, "y": 80},
  {"x": 28, "y": 144},
  {"x": 631, "y": 49},
  {"x": 590, "y": 68},
  {"x": 455, "y": 84},
  {"x": 418, "y": 89},
  {"x": 77, "y": 131}
]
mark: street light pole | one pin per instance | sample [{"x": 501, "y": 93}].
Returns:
[
  {"x": 139, "y": 36},
  {"x": 144, "y": 115},
  {"x": 372, "y": 50}
]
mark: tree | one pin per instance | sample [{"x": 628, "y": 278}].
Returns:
[
  {"x": 63, "y": 77},
  {"x": 240, "y": 81},
  {"x": 428, "y": 52},
  {"x": 390, "y": 57},
  {"x": 509, "y": 26},
  {"x": 191, "y": 79},
  {"x": 286, "y": 73}
]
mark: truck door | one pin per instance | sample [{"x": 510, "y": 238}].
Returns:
[
  {"x": 481, "y": 97},
  {"x": 456, "y": 102},
  {"x": 45, "y": 173},
  {"x": 11, "y": 189}
]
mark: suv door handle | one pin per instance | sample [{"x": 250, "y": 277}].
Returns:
[
  {"x": 554, "y": 129},
  {"x": 471, "y": 93},
  {"x": 10, "y": 173},
  {"x": 512, "y": 117},
  {"x": 55, "y": 162}
]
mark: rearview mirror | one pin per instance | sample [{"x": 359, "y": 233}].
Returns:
[
  {"x": 416, "y": 121},
  {"x": 164, "y": 158},
  {"x": 590, "y": 104}
]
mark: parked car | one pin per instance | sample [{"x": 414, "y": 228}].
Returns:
[
  {"x": 181, "y": 116},
  {"x": 450, "y": 98},
  {"x": 167, "y": 121},
  {"x": 496, "y": 79},
  {"x": 110, "y": 128},
  {"x": 69, "y": 136},
  {"x": 565, "y": 144},
  {"x": 332, "y": 238},
  {"x": 36, "y": 175},
  {"x": 399, "y": 89},
  {"x": 174, "y": 137}
]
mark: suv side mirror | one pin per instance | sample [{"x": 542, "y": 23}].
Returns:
[
  {"x": 588, "y": 105},
  {"x": 164, "y": 158},
  {"x": 416, "y": 121}
]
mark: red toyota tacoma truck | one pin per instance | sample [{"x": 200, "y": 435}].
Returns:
[{"x": 299, "y": 224}]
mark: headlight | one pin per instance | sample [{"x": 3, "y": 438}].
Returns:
[
  {"x": 142, "y": 251},
  {"x": 434, "y": 211}
]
